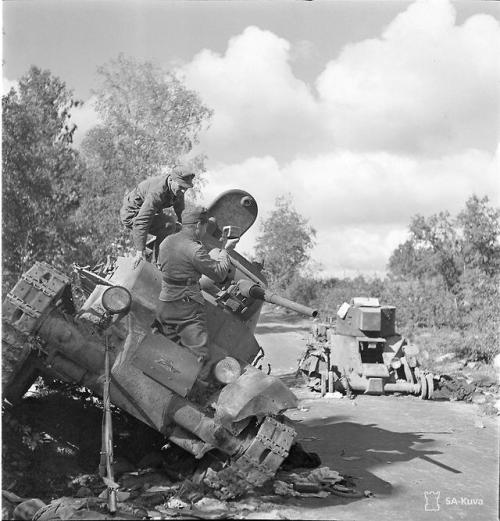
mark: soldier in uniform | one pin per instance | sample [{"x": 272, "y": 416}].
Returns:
[
  {"x": 182, "y": 260},
  {"x": 142, "y": 209}
]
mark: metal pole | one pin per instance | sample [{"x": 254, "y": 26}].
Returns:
[{"x": 106, "y": 463}]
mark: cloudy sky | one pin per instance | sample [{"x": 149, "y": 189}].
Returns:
[{"x": 366, "y": 113}]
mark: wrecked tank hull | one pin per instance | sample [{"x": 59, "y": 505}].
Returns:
[
  {"x": 360, "y": 351},
  {"x": 240, "y": 414}
]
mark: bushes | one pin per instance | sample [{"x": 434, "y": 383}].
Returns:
[
  {"x": 480, "y": 316},
  {"x": 466, "y": 322}
]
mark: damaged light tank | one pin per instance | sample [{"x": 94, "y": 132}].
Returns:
[
  {"x": 239, "y": 416},
  {"x": 360, "y": 351}
]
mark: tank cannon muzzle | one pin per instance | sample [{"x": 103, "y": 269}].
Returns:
[{"x": 250, "y": 289}]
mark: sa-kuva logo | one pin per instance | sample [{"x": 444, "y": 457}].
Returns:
[{"x": 432, "y": 501}]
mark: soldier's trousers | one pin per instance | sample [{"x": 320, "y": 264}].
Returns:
[
  {"x": 163, "y": 224},
  {"x": 185, "y": 322}
]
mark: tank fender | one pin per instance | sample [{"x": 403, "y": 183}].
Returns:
[{"x": 253, "y": 394}]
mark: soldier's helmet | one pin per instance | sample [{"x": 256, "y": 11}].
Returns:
[
  {"x": 194, "y": 214},
  {"x": 184, "y": 177}
]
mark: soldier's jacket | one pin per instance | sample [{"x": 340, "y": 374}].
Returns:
[
  {"x": 147, "y": 199},
  {"x": 183, "y": 258}
]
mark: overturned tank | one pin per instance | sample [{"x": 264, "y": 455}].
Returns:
[
  {"x": 239, "y": 416},
  {"x": 359, "y": 350}
]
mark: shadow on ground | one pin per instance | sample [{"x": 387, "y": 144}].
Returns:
[
  {"x": 356, "y": 451},
  {"x": 48, "y": 440},
  {"x": 359, "y": 451}
]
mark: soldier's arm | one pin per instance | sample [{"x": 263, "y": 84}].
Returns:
[
  {"x": 143, "y": 220},
  {"x": 178, "y": 206},
  {"x": 217, "y": 270}
]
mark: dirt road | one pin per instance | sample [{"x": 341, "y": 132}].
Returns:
[{"x": 422, "y": 460}]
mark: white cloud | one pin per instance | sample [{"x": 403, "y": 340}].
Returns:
[
  {"x": 259, "y": 105},
  {"x": 7, "y": 85},
  {"x": 427, "y": 85},
  {"x": 85, "y": 117},
  {"x": 348, "y": 251},
  {"x": 359, "y": 203}
]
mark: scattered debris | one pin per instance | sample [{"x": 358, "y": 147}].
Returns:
[
  {"x": 281, "y": 488},
  {"x": 176, "y": 502},
  {"x": 150, "y": 494},
  {"x": 210, "y": 504},
  {"x": 335, "y": 395},
  {"x": 478, "y": 398},
  {"x": 320, "y": 482},
  {"x": 324, "y": 474},
  {"x": 453, "y": 388}
]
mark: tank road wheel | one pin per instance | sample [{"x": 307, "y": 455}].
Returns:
[
  {"x": 423, "y": 386},
  {"x": 430, "y": 385}
]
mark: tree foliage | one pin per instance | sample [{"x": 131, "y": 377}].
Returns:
[
  {"x": 284, "y": 243},
  {"x": 452, "y": 271},
  {"x": 41, "y": 175},
  {"x": 480, "y": 225},
  {"x": 447, "y": 247},
  {"x": 149, "y": 119}
]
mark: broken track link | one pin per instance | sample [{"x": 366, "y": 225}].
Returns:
[{"x": 259, "y": 462}]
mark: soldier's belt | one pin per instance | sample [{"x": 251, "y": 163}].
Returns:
[{"x": 180, "y": 282}]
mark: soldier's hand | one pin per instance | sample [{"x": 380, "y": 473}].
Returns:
[
  {"x": 137, "y": 259},
  {"x": 231, "y": 243}
]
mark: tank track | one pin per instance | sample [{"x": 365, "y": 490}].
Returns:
[
  {"x": 258, "y": 463},
  {"x": 33, "y": 296}
]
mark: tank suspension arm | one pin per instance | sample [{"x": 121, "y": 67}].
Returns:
[
  {"x": 189, "y": 417},
  {"x": 250, "y": 289}
]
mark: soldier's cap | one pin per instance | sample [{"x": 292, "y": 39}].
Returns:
[
  {"x": 183, "y": 177},
  {"x": 194, "y": 214}
]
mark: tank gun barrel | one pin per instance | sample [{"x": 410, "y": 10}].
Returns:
[{"x": 250, "y": 289}]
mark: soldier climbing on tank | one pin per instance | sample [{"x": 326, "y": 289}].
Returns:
[
  {"x": 142, "y": 209},
  {"x": 181, "y": 307}
]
